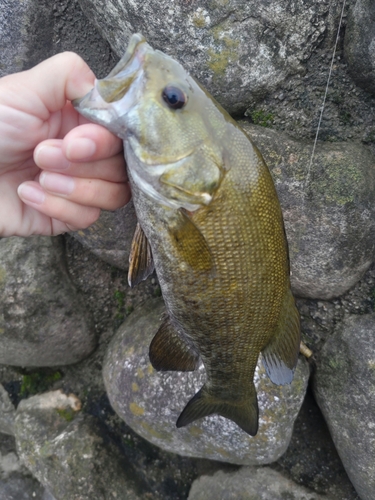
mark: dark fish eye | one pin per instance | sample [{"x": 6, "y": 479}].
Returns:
[{"x": 174, "y": 97}]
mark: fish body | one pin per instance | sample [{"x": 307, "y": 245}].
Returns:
[{"x": 211, "y": 225}]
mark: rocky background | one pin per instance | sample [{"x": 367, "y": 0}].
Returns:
[{"x": 82, "y": 414}]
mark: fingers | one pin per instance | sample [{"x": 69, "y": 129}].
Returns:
[
  {"x": 63, "y": 214},
  {"x": 50, "y": 157},
  {"x": 92, "y": 142},
  {"x": 87, "y": 192}
]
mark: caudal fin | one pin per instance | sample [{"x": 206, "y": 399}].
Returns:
[{"x": 244, "y": 413}]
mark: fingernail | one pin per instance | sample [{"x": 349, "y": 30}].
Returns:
[
  {"x": 57, "y": 183},
  {"x": 80, "y": 149},
  {"x": 31, "y": 193},
  {"x": 51, "y": 157}
]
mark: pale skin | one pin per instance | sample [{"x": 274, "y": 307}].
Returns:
[{"x": 56, "y": 170}]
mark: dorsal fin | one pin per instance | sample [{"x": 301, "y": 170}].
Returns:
[
  {"x": 141, "y": 263},
  {"x": 280, "y": 356},
  {"x": 168, "y": 351}
]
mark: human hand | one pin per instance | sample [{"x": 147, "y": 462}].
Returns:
[{"x": 56, "y": 169}]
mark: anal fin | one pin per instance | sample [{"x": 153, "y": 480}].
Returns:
[
  {"x": 141, "y": 263},
  {"x": 280, "y": 356},
  {"x": 244, "y": 413},
  {"x": 168, "y": 351}
]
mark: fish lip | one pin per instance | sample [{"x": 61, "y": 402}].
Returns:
[{"x": 134, "y": 42}]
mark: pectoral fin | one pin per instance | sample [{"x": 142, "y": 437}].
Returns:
[
  {"x": 191, "y": 244},
  {"x": 141, "y": 263},
  {"x": 243, "y": 413},
  {"x": 280, "y": 356},
  {"x": 169, "y": 352}
]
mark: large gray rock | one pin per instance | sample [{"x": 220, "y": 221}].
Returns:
[
  {"x": 42, "y": 318},
  {"x": 110, "y": 237},
  {"x": 7, "y": 413},
  {"x": 360, "y": 44},
  {"x": 250, "y": 483},
  {"x": 344, "y": 387},
  {"x": 64, "y": 450},
  {"x": 239, "y": 49},
  {"x": 150, "y": 402},
  {"x": 329, "y": 210}
]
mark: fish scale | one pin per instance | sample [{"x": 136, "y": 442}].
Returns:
[{"x": 210, "y": 223}]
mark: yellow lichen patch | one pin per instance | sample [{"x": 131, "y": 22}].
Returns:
[
  {"x": 2, "y": 275},
  {"x": 138, "y": 411},
  {"x": 195, "y": 431},
  {"x": 371, "y": 364},
  {"x": 135, "y": 387},
  {"x": 130, "y": 351},
  {"x": 150, "y": 369},
  {"x": 154, "y": 433},
  {"x": 140, "y": 373}
]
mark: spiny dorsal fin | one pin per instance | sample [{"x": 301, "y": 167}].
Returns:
[
  {"x": 141, "y": 264},
  {"x": 244, "y": 413},
  {"x": 191, "y": 244},
  {"x": 280, "y": 356},
  {"x": 169, "y": 352}
]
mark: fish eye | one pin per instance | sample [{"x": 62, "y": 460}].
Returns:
[{"x": 174, "y": 97}]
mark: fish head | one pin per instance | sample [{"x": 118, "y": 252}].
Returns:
[{"x": 170, "y": 126}]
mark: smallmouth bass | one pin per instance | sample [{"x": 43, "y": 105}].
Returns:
[{"x": 210, "y": 223}]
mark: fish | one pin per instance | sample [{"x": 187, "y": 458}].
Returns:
[{"x": 210, "y": 224}]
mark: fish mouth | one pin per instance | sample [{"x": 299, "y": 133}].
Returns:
[{"x": 114, "y": 95}]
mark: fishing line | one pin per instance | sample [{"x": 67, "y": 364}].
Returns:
[{"x": 323, "y": 105}]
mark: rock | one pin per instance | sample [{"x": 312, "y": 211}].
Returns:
[
  {"x": 344, "y": 387},
  {"x": 42, "y": 319},
  {"x": 250, "y": 483},
  {"x": 7, "y": 413},
  {"x": 15, "y": 481},
  {"x": 329, "y": 222},
  {"x": 32, "y": 31},
  {"x": 110, "y": 237},
  {"x": 360, "y": 44},
  {"x": 13, "y": 21},
  {"x": 150, "y": 402},
  {"x": 239, "y": 49},
  {"x": 65, "y": 451}
]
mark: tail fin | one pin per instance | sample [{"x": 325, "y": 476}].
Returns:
[{"x": 243, "y": 413}]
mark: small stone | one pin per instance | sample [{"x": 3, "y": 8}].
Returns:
[
  {"x": 250, "y": 483},
  {"x": 7, "y": 413},
  {"x": 64, "y": 449}
]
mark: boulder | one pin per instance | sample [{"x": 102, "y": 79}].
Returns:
[
  {"x": 150, "y": 402},
  {"x": 239, "y": 49},
  {"x": 360, "y": 44},
  {"x": 328, "y": 208},
  {"x": 250, "y": 483},
  {"x": 344, "y": 387},
  {"x": 64, "y": 450},
  {"x": 43, "y": 321}
]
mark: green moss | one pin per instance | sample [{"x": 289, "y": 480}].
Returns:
[
  {"x": 38, "y": 382},
  {"x": 66, "y": 413},
  {"x": 340, "y": 181},
  {"x": 261, "y": 117},
  {"x": 157, "y": 291}
]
